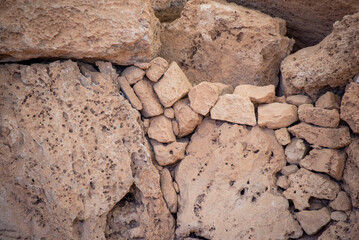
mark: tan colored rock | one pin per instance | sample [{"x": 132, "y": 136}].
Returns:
[
  {"x": 305, "y": 184},
  {"x": 79, "y": 30},
  {"x": 148, "y": 98},
  {"x": 282, "y": 136},
  {"x": 235, "y": 109},
  {"x": 351, "y": 172},
  {"x": 228, "y": 161},
  {"x": 298, "y": 100},
  {"x": 175, "y": 186},
  {"x": 203, "y": 96},
  {"x": 313, "y": 221},
  {"x": 107, "y": 68},
  {"x": 173, "y": 85},
  {"x": 339, "y": 216},
  {"x": 186, "y": 118},
  {"x": 257, "y": 94},
  {"x": 282, "y": 182},
  {"x": 169, "y": 193},
  {"x": 169, "y": 113},
  {"x": 210, "y": 46},
  {"x": 296, "y": 150},
  {"x": 343, "y": 230},
  {"x": 129, "y": 93},
  {"x": 175, "y": 127},
  {"x": 133, "y": 74},
  {"x": 157, "y": 68},
  {"x": 331, "y": 63},
  {"x": 161, "y": 130},
  {"x": 280, "y": 99},
  {"x": 324, "y": 137},
  {"x": 168, "y": 154},
  {"x": 224, "y": 88},
  {"x": 349, "y": 109},
  {"x": 168, "y": 10},
  {"x": 66, "y": 158},
  {"x": 289, "y": 169},
  {"x": 341, "y": 202},
  {"x": 318, "y": 116},
  {"x": 142, "y": 65},
  {"x": 328, "y": 101},
  {"x": 276, "y": 115},
  {"x": 329, "y": 161}
]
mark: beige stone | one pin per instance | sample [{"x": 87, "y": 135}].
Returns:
[
  {"x": 298, "y": 100},
  {"x": 160, "y": 129},
  {"x": 175, "y": 127},
  {"x": 168, "y": 154},
  {"x": 175, "y": 186},
  {"x": 282, "y": 182},
  {"x": 329, "y": 161},
  {"x": 305, "y": 184},
  {"x": 173, "y": 85},
  {"x": 328, "y": 101},
  {"x": 168, "y": 10},
  {"x": 349, "y": 109},
  {"x": 129, "y": 93},
  {"x": 133, "y": 74},
  {"x": 157, "y": 68},
  {"x": 169, "y": 113},
  {"x": 224, "y": 88},
  {"x": 318, "y": 116},
  {"x": 316, "y": 204},
  {"x": 289, "y": 169},
  {"x": 351, "y": 172},
  {"x": 107, "y": 68},
  {"x": 235, "y": 109},
  {"x": 66, "y": 158},
  {"x": 341, "y": 202},
  {"x": 169, "y": 193},
  {"x": 212, "y": 47},
  {"x": 79, "y": 30},
  {"x": 324, "y": 137},
  {"x": 148, "y": 98},
  {"x": 331, "y": 63},
  {"x": 296, "y": 150},
  {"x": 283, "y": 136},
  {"x": 348, "y": 230},
  {"x": 313, "y": 221},
  {"x": 280, "y": 99},
  {"x": 203, "y": 96},
  {"x": 227, "y": 185},
  {"x": 257, "y": 94},
  {"x": 142, "y": 65},
  {"x": 339, "y": 216},
  {"x": 276, "y": 115},
  {"x": 186, "y": 118}
]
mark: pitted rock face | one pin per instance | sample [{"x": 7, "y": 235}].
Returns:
[
  {"x": 71, "y": 148},
  {"x": 227, "y": 185}
]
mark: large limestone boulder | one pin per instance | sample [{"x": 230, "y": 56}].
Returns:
[
  {"x": 224, "y": 42},
  {"x": 78, "y": 29},
  {"x": 331, "y": 63},
  {"x": 73, "y": 152},
  {"x": 227, "y": 185}
]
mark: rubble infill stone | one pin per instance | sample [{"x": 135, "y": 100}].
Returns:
[
  {"x": 168, "y": 154},
  {"x": 186, "y": 118},
  {"x": 129, "y": 93},
  {"x": 168, "y": 191},
  {"x": 296, "y": 150},
  {"x": 298, "y": 100},
  {"x": 158, "y": 67},
  {"x": 313, "y": 221},
  {"x": 324, "y": 137},
  {"x": 318, "y": 116},
  {"x": 349, "y": 109},
  {"x": 276, "y": 115},
  {"x": 257, "y": 94},
  {"x": 341, "y": 202},
  {"x": 283, "y": 136},
  {"x": 328, "y": 101},
  {"x": 203, "y": 96},
  {"x": 151, "y": 106},
  {"x": 160, "y": 129},
  {"x": 133, "y": 74}
]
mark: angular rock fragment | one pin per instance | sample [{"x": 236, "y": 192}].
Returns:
[
  {"x": 339, "y": 216},
  {"x": 349, "y": 109},
  {"x": 157, "y": 68},
  {"x": 257, "y": 94},
  {"x": 280, "y": 99},
  {"x": 318, "y": 116},
  {"x": 167, "y": 154},
  {"x": 160, "y": 129},
  {"x": 329, "y": 161},
  {"x": 169, "y": 113},
  {"x": 305, "y": 184},
  {"x": 224, "y": 88},
  {"x": 276, "y": 115},
  {"x": 298, "y": 100},
  {"x": 142, "y": 65},
  {"x": 282, "y": 182},
  {"x": 296, "y": 150},
  {"x": 289, "y": 169},
  {"x": 328, "y": 101},
  {"x": 351, "y": 172},
  {"x": 282, "y": 136},
  {"x": 133, "y": 74},
  {"x": 324, "y": 137},
  {"x": 203, "y": 96},
  {"x": 107, "y": 68},
  {"x": 175, "y": 127},
  {"x": 168, "y": 10},
  {"x": 313, "y": 221},
  {"x": 173, "y": 85},
  {"x": 168, "y": 191},
  {"x": 186, "y": 118},
  {"x": 343, "y": 230},
  {"x": 151, "y": 106},
  {"x": 235, "y": 109},
  {"x": 129, "y": 93},
  {"x": 341, "y": 202}
]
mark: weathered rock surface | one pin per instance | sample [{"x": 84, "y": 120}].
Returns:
[
  {"x": 339, "y": 216},
  {"x": 224, "y": 88},
  {"x": 151, "y": 105},
  {"x": 170, "y": 153},
  {"x": 219, "y": 41},
  {"x": 296, "y": 150},
  {"x": 324, "y": 137},
  {"x": 157, "y": 68},
  {"x": 283, "y": 136},
  {"x": 235, "y": 109},
  {"x": 168, "y": 10},
  {"x": 343, "y": 230},
  {"x": 298, "y": 100},
  {"x": 227, "y": 161},
  {"x": 78, "y": 29},
  {"x": 257, "y": 94},
  {"x": 69, "y": 154},
  {"x": 168, "y": 191},
  {"x": 186, "y": 118},
  {"x": 331, "y": 63},
  {"x": 169, "y": 113},
  {"x": 313, "y": 221},
  {"x": 328, "y": 101},
  {"x": 160, "y": 129},
  {"x": 305, "y": 184},
  {"x": 289, "y": 169},
  {"x": 329, "y": 161},
  {"x": 282, "y": 182},
  {"x": 341, "y": 202},
  {"x": 318, "y": 116},
  {"x": 277, "y": 115},
  {"x": 203, "y": 96},
  {"x": 129, "y": 93},
  {"x": 173, "y": 85},
  {"x": 349, "y": 109},
  {"x": 133, "y": 74},
  {"x": 351, "y": 171}
]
